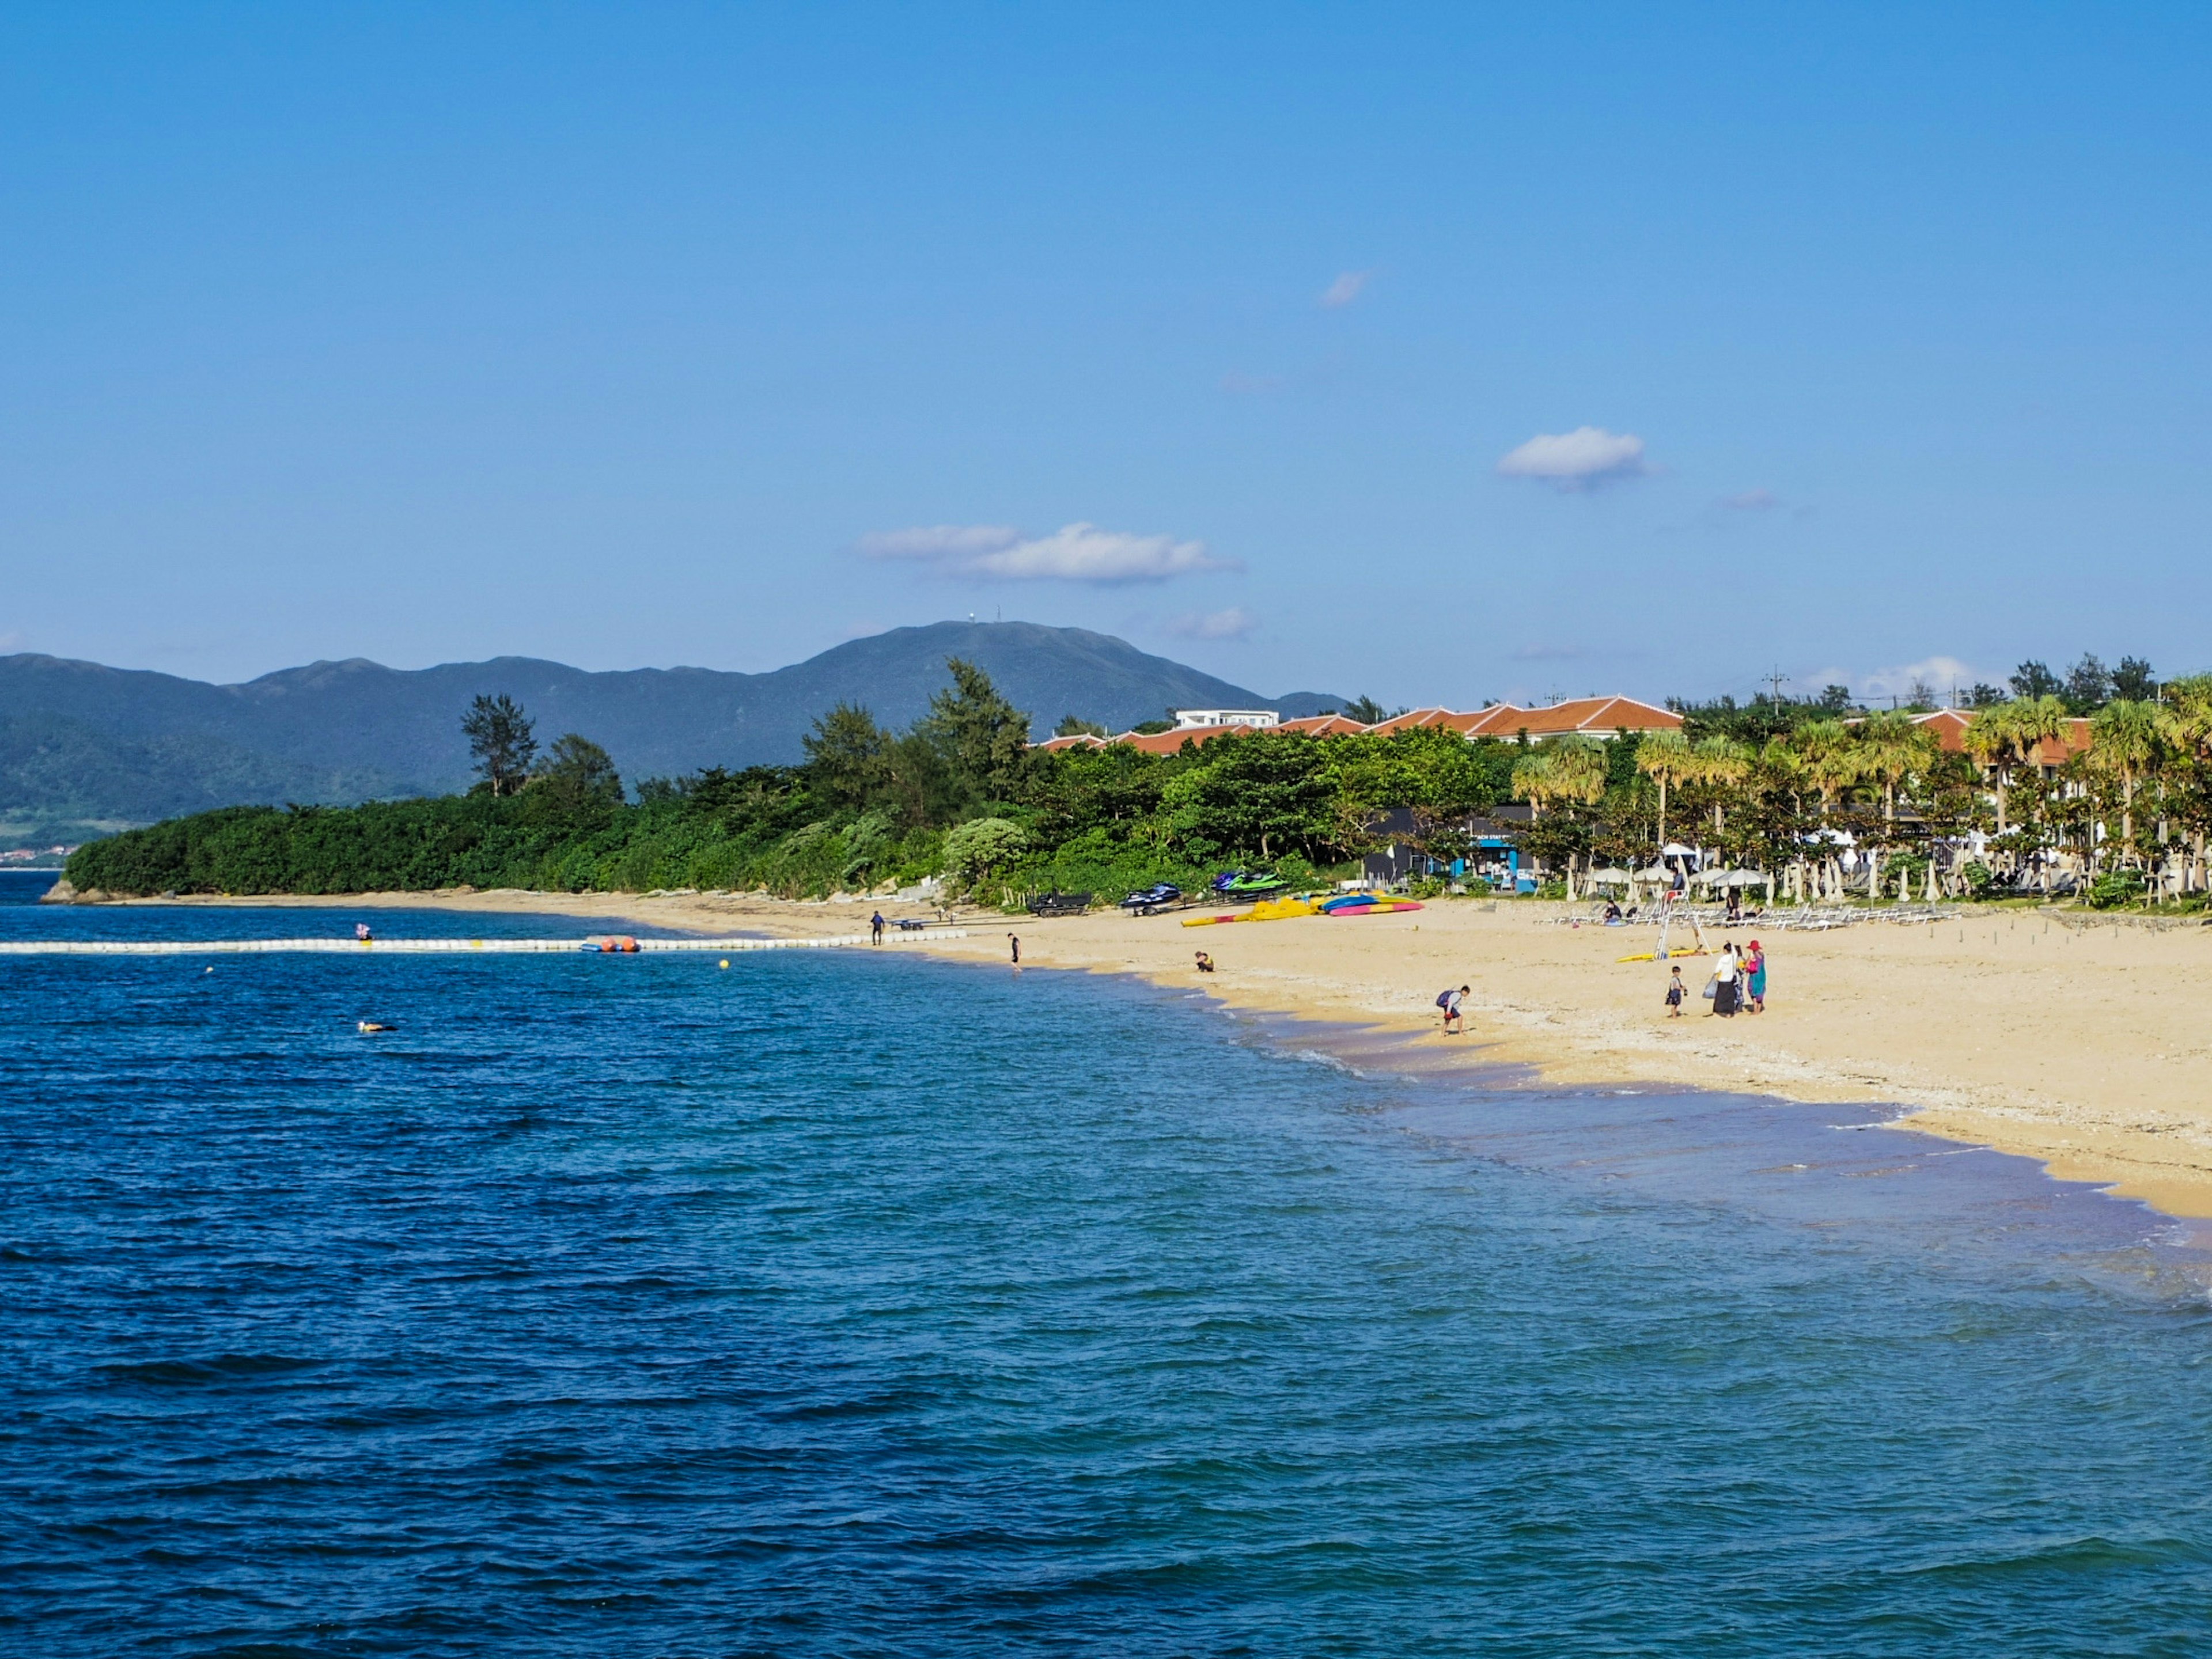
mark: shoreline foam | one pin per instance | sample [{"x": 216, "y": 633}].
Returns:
[{"x": 2070, "y": 1046}]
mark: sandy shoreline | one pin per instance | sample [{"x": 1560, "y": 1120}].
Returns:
[{"x": 2071, "y": 1040}]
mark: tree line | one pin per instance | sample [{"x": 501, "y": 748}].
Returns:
[{"x": 1772, "y": 785}]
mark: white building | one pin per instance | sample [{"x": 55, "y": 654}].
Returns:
[{"x": 1187, "y": 719}]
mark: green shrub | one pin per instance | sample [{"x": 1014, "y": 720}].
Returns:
[{"x": 2115, "y": 888}]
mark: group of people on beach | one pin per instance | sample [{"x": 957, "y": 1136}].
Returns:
[{"x": 1737, "y": 984}]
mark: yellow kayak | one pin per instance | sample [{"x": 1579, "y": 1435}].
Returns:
[{"x": 1281, "y": 910}]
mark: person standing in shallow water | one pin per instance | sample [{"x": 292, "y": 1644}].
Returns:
[{"x": 1015, "y": 941}]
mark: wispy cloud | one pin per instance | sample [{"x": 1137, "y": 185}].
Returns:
[
  {"x": 1234, "y": 623},
  {"x": 1937, "y": 674},
  {"x": 1585, "y": 459},
  {"x": 1348, "y": 286},
  {"x": 940, "y": 541},
  {"x": 1751, "y": 501},
  {"x": 1075, "y": 553}
]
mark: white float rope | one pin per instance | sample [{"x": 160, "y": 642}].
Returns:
[{"x": 598, "y": 943}]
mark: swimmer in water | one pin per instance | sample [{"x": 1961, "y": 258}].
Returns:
[{"x": 370, "y": 1028}]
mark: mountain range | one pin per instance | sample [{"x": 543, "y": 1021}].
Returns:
[{"x": 86, "y": 749}]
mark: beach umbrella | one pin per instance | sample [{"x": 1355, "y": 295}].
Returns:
[
  {"x": 1609, "y": 875},
  {"x": 1674, "y": 850}
]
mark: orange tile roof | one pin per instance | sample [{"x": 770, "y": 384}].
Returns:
[
  {"x": 2055, "y": 752},
  {"x": 1411, "y": 717},
  {"x": 1496, "y": 720},
  {"x": 1171, "y": 743},
  {"x": 1320, "y": 726},
  {"x": 1591, "y": 715},
  {"x": 1078, "y": 740},
  {"x": 1500, "y": 720},
  {"x": 1949, "y": 725}
]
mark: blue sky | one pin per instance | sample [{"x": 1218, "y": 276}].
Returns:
[{"x": 1849, "y": 340}]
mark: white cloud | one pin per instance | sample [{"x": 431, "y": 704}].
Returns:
[
  {"x": 1347, "y": 287},
  {"x": 1074, "y": 553},
  {"x": 1234, "y": 623},
  {"x": 1939, "y": 674},
  {"x": 942, "y": 541},
  {"x": 1581, "y": 459}
]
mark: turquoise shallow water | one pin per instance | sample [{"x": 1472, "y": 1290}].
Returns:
[{"x": 840, "y": 1304}]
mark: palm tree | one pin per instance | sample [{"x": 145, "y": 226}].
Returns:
[
  {"x": 1578, "y": 770},
  {"x": 1831, "y": 759},
  {"x": 1570, "y": 768},
  {"x": 1893, "y": 746},
  {"x": 2130, "y": 737},
  {"x": 1992, "y": 740},
  {"x": 1723, "y": 763},
  {"x": 1533, "y": 780},
  {"x": 2005, "y": 735},
  {"x": 1666, "y": 759}
]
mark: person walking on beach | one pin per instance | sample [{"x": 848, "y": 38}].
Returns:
[
  {"x": 1754, "y": 978},
  {"x": 1675, "y": 994},
  {"x": 876, "y": 928},
  {"x": 1015, "y": 939},
  {"x": 1726, "y": 986}
]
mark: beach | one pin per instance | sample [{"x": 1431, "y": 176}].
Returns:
[{"x": 2061, "y": 1036}]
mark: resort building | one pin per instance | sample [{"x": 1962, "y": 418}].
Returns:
[
  {"x": 1589, "y": 717},
  {"x": 1601, "y": 718},
  {"x": 1188, "y": 720},
  {"x": 1950, "y": 727}
]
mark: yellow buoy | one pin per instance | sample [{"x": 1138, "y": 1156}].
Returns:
[{"x": 725, "y": 962}]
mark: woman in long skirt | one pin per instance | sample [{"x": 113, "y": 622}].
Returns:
[{"x": 1726, "y": 985}]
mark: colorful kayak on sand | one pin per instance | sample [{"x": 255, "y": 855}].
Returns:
[
  {"x": 1282, "y": 910},
  {"x": 1366, "y": 904}
]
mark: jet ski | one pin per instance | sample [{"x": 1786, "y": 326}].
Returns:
[
  {"x": 1236, "y": 884},
  {"x": 1157, "y": 896}
]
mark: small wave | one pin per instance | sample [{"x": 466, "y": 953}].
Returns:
[{"x": 221, "y": 1368}]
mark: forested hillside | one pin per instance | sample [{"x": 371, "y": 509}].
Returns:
[
  {"x": 958, "y": 791},
  {"x": 83, "y": 747}
]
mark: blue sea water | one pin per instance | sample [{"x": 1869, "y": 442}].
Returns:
[{"x": 856, "y": 1304}]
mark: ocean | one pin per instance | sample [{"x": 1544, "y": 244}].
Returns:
[{"x": 852, "y": 1302}]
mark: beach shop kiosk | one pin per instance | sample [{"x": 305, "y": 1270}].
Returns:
[{"x": 1493, "y": 843}]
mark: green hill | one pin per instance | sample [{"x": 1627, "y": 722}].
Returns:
[{"x": 85, "y": 749}]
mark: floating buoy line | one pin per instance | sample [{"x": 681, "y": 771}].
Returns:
[{"x": 617, "y": 944}]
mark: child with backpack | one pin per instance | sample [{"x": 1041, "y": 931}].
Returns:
[{"x": 1449, "y": 1001}]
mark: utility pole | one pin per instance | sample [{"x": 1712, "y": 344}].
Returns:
[{"x": 1777, "y": 679}]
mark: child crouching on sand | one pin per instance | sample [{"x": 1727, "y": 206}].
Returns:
[{"x": 1674, "y": 995}]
